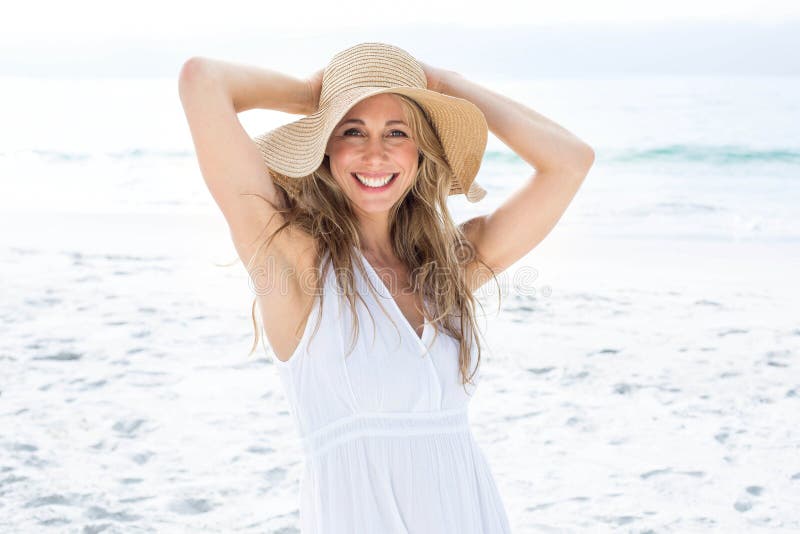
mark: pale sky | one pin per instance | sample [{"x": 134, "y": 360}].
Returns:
[
  {"x": 84, "y": 19},
  {"x": 152, "y": 38}
]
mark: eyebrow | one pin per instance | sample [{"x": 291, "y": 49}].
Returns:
[{"x": 359, "y": 121}]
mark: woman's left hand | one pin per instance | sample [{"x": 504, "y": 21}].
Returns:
[
  {"x": 314, "y": 83},
  {"x": 434, "y": 76}
]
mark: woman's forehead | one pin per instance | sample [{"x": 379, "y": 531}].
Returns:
[{"x": 377, "y": 106}]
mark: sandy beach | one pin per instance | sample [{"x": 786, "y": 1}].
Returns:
[
  {"x": 641, "y": 373},
  {"x": 655, "y": 384}
]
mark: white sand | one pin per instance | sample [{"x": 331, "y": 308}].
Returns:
[{"x": 654, "y": 388}]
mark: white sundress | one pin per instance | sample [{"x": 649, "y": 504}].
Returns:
[{"x": 385, "y": 432}]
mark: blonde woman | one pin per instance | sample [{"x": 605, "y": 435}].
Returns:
[{"x": 363, "y": 282}]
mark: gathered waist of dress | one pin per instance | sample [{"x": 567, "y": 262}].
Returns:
[{"x": 384, "y": 424}]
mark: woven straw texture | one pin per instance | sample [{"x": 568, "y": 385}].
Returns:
[{"x": 297, "y": 149}]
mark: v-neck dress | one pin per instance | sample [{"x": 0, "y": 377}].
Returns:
[{"x": 385, "y": 431}]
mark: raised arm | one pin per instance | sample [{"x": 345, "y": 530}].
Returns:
[
  {"x": 561, "y": 162},
  {"x": 213, "y": 92}
]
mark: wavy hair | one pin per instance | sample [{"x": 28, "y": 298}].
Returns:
[{"x": 423, "y": 236}]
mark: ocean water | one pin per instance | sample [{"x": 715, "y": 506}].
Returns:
[{"x": 642, "y": 372}]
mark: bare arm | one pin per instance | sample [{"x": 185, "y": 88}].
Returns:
[
  {"x": 561, "y": 162},
  {"x": 213, "y": 92},
  {"x": 252, "y": 87},
  {"x": 538, "y": 140}
]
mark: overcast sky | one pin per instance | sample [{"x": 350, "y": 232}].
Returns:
[{"x": 493, "y": 38}]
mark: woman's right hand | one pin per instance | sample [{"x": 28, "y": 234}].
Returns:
[{"x": 314, "y": 89}]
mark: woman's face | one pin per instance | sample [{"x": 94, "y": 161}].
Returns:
[{"x": 371, "y": 144}]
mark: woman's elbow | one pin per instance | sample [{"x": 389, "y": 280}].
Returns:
[
  {"x": 583, "y": 155},
  {"x": 589, "y": 155},
  {"x": 195, "y": 73}
]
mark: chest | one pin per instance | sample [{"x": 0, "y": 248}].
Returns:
[
  {"x": 409, "y": 306},
  {"x": 397, "y": 287}
]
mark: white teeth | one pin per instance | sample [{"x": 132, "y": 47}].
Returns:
[{"x": 374, "y": 182}]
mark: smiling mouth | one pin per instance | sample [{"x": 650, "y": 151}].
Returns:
[{"x": 374, "y": 183}]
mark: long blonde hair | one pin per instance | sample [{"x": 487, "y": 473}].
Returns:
[{"x": 422, "y": 232}]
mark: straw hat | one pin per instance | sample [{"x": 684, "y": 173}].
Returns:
[{"x": 297, "y": 149}]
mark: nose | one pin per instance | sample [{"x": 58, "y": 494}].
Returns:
[{"x": 373, "y": 149}]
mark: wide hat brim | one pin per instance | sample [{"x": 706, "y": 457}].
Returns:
[{"x": 297, "y": 149}]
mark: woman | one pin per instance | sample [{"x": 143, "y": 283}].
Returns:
[{"x": 359, "y": 186}]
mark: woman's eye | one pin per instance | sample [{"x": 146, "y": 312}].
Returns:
[{"x": 347, "y": 132}]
